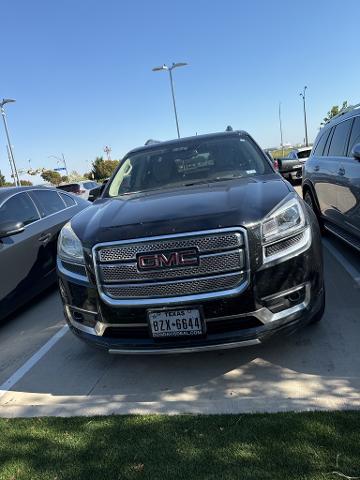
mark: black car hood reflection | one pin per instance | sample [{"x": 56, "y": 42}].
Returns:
[{"x": 199, "y": 207}]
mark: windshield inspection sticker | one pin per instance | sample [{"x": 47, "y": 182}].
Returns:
[{"x": 249, "y": 172}]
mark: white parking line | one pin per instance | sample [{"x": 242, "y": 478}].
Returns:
[
  {"x": 15, "y": 377},
  {"x": 344, "y": 262}
]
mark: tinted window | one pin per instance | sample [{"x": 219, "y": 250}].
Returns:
[
  {"x": 339, "y": 139},
  {"x": 319, "y": 149},
  {"x": 73, "y": 188},
  {"x": 19, "y": 208},
  {"x": 47, "y": 202},
  {"x": 69, "y": 202},
  {"x": 355, "y": 135}
]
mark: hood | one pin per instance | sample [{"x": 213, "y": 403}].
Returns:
[{"x": 238, "y": 202}]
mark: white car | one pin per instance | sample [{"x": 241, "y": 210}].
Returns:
[{"x": 79, "y": 188}]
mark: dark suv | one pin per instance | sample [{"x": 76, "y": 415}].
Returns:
[
  {"x": 195, "y": 244},
  {"x": 331, "y": 183}
]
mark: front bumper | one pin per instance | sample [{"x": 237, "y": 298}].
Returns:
[
  {"x": 280, "y": 297},
  {"x": 232, "y": 330}
]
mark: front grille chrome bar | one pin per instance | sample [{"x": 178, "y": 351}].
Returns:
[{"x": 223, "y": 268}]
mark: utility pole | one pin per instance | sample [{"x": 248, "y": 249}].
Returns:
[
  {"x": 303, "y": 96},
  {"x": 281, "y": 131},
  {"x": 107, "y": 150}
]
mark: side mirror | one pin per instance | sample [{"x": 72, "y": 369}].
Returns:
[
  {"x": 10, "y": 228},
  {"x": 356, "y": 151},
  {"x": 95, "y": 193}
]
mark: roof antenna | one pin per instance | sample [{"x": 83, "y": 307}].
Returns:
[{"x": 229, "y": 129}]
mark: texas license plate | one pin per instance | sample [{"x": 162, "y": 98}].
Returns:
[{"x": 185, "y": 322}]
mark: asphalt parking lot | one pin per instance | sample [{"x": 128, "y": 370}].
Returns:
[{"x": 45, "y": 370}]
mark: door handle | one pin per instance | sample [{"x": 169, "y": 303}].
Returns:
[
  {"x": 341, "y": 171},
  {"x": 45, "y": 237},
  {"x": 316, "y": 168}
]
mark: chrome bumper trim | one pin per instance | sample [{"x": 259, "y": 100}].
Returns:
[
  {"x": 202, "y": 348},
  {"x": 263, "y": 314}
]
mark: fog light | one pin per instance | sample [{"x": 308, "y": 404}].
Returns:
[{"x": 278, "y": 302}]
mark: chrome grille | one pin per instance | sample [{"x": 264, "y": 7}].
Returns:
[
  {"x": 204, "y": 243},
  {"x": 222, "y": 266},
  {"x": 214, "y": 263},
  {"x": 170, "y": 289}
]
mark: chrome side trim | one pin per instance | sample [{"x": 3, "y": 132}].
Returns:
[
  {"x": 202, "y": 348},
  {"x": 291, "y": 252},
  {"x": 178, "y": 299},
  {"x": 69, "y": 274}
]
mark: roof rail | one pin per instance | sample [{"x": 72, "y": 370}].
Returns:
[
  {"x": 343, "y": 111},
  {"x": 151, "y": 141}
]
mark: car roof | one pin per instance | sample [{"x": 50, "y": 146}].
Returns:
[
  {"x": 6, "y": 192},
  {"x": 350, "y": 112},
  {"x": 179, "y": 141}
]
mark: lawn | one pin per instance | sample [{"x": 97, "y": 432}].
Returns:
[{"x": 263, "y": 446}]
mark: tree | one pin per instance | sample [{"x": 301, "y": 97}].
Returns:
[
  {"x": 26, "y": 183},
  {"x": 102, "y": 169},
  {"x": 2, "y": 180},
  {"x": 51, "y": 176},
  {"x": 64, "y": 179},
  {"x": 335, "y": 110}
]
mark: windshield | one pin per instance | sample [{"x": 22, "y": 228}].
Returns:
[{"x": 189, "y": 163}]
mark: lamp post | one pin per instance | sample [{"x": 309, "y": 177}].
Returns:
[
  {"x": 10, "y": 150},
  {"x": 281, "y": 131},
  {"x": 303, "y": 96},
  {"x": 170, "y": 69}
]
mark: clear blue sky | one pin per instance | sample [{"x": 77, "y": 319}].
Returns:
[{"x": 81, "y": 71}]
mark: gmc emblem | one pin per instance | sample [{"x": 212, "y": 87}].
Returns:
[{"x": 170, "y": 259}]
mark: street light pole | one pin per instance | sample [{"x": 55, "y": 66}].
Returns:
[
  {"x": 170, "y": 69},
  {"x": 10, "y": 150},
  {"x": 11, "y": 166},
  {"x": 303, "y": 96},
  {"x": 281, "y": 131}
]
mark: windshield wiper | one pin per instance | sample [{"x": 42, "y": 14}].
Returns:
[{"x": 212, "y": 180}]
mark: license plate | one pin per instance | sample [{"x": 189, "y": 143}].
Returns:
[{"x": 185, "y": 322}]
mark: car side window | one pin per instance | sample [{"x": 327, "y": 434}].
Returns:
[
  {"x": 355, "y": 135},
  {"x": 19, "y": 208},
  {"x": 339, "y": 139},
  {"x": 69, "y": 202},
  {"x": 48, "y": 202},
  {"x": 319, "y": 149}
]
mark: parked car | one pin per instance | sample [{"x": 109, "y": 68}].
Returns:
[
  {"x": 79, "y": 188},
  {"x": 30, "y": 221},
  {"x": 291, "y": 167},
  {"x": 331, "y": 184},
  {"x": 194, "y": 244}
]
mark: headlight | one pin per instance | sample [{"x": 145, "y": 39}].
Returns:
[
  {"x": 69, "y": 246},
  {"x": 284, "y": 221},
  {"x": 285, "y": 232}
]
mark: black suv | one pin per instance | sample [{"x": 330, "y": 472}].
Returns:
[
  {"x": 331, "y": 183},
  {"x": 195, "y": 244}
]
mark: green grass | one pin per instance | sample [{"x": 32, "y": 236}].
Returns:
[
  {"x": 279, "y": 153},
  {"x": 264, "y": 446}
]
